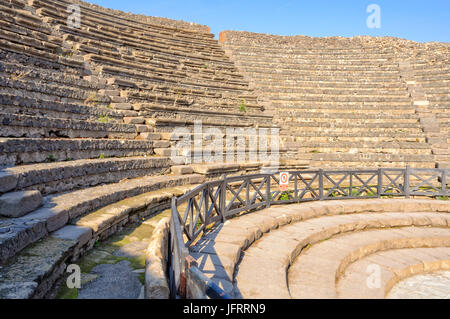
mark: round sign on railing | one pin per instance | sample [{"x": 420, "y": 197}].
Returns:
[{"x": 284, "y": 181}]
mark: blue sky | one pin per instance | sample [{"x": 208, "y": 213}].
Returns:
[{"x": 415, "y": 20}]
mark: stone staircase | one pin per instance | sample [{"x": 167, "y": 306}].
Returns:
[
  {"x": 428, "y": 76},
  {"x": 346, "y": 102}
]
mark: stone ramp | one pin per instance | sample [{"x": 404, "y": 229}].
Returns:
[{"x": 261, "y": 246}]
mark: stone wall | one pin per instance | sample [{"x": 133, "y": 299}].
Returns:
[{"x": 252, "y": 38}]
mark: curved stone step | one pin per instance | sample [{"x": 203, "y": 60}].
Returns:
[
  {"x": 315, "y": 272},
  {"x": 60, "y": 177},
  {"x": 392, "y": 266},
  {"x": 237, "y": 234},
  {"x": 14, "y": 104},
  {"x": 58, "y": 210},
  {"x": 278, "y": 249},
  {"x": 13, "y": 125},
  {"x": 34, "y": 271},
  {"x": 16, "y": 151}
]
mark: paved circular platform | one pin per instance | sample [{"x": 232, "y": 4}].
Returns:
[{"x": 435, "y": 285}]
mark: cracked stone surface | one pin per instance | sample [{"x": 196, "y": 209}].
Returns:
[
  {"x": 116, "y": 281},
  {"x": 435, "y": 285}
]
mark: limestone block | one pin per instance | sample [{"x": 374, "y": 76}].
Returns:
[
  {"x": 7, "y": 182},
  {"x": 54, "y": 218},
  {"x": 18, "y": 204},
  {"x": 133, "y": 120},
  {"x": 121, "y": 106},
  {"x": 156, "y": 281},
  {"x": 161, "y": 144},
  {"x": 81, "y": 235},
  {"x": 182, "y": 169},
  {"x": 163, "y": 151},
  {"x": 196, "y": 179},
  {"x": 109, "y": 92},
  {"x": 150, "y": 136}
]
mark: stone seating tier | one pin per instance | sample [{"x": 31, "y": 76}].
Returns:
[
  {"x": 60, "y": 209},
  {"x": 126, "y": 20},
  {"x": 333, "y": 88},
  {"x": 18, "y": 151},
  {"x": 279, "y": 240},
  {"x": 49, "y": 256},
  {"x": 55, "y": 177}
]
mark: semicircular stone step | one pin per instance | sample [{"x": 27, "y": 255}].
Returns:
[
  {"x": 315, "y": 272},
  {"x": 277, "y": 250},
  {"x": 374, "y": 276},
  {"x": 218, "y": 261}
]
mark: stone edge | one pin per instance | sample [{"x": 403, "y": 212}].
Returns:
[{"x": 156, "y": 280}]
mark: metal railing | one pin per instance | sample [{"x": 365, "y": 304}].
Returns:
[{"x": 212, "y": 203}]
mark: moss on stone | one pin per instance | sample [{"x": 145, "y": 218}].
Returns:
[
  {"x": 104, "y": 251},
  {"x": 67, "y": 293},
  {"x": 142, "y": 278}
]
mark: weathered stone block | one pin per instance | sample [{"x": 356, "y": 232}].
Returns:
[
  {"x": 7, "y": 182},
  {"x": 156, "y": 281},
  {"x": 133, "y": 120},
  {"x": 150, "y": 136},
  {"x": 163, "y": 151},
  {"x": 81, "y": 235},
  {"x": 18, "y": 204},
  {"x": 182, "y": 169},
  {"x": 121, "y": 106}
]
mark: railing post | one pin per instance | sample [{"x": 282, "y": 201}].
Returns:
[
  {"x": 247, "y": 192},
  {"x": 296, "y": 199},
  {"x": 223, "y": 199},
  {"x": 321, "y": 197},
  {"x": 444, "y": 182},
  {"x": 170, "y": 262},
  {"x": 350, "y": 191},
  {"x": 406, "y": 187},
  {"x": 380, "y": 182},
  {"x": 190, "y": 262},
  {"x": 268, "y": 192},
  {"x": 206, "y": 193}
]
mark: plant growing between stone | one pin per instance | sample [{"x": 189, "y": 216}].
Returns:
[
  {"x": 51, "y": 158},
  {"x": 243, "y": 107},
  {"x": 104, "y": 119}
]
